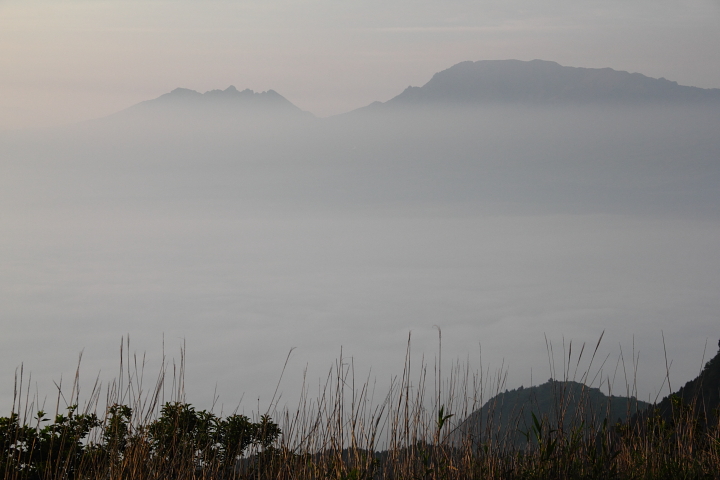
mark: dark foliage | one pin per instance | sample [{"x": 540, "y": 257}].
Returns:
[{"x": 180, "y": 440}]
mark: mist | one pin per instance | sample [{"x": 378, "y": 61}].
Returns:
[{"x": 242, "y": 237}]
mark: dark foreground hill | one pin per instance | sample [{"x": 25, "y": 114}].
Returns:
[
  {"x": 698, "y": 399},
  {"x": 506, "y": 416},
  {"x": 541, "y": 82}
]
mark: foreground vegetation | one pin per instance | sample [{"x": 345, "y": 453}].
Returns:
[{"x": 343, "y": 434}]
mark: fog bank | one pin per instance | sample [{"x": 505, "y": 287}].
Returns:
[{"x": 246, "y": 237}]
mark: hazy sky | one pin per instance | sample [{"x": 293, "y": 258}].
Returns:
[{"x": 68, "y": 60}]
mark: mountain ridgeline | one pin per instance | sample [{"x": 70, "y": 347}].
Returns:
[
  {"x": 183, "y": 106},
  {"x": 230, "y": 98},
  {"x": 488, "y": 134},
  {"x": 485, "y": 82},
  {"x": 541, "y": 82}
]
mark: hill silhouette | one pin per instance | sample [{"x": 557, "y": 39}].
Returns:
[
  {"x": 699, "y": 398},
  {"x": 544, "y": 82},
  {"x": 504, "y": 417}
]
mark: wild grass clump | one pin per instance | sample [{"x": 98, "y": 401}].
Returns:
[{"x": 415, "y": 430}]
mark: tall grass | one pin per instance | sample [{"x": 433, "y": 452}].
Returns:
[{"x": 348, "y": 430}]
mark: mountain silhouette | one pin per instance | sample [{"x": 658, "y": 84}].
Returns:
[
  {"x": 212, "y": 106},
  {"x": 231, "y": 97},
  {"x": 543, "y": 82},
  {"x": 507, "y": 415},
  {"x": 485, "y": 82}
]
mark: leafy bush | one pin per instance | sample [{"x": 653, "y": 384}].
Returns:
[
  {"x": 51, "y": 451},
  {"x": 181, "y": 439}
]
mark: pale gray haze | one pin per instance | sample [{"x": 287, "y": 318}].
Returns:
[{"x": 323, "y": 205}]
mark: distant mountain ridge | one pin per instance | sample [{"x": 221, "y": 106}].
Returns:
[
  {"x": 220, "y": 104},
  {"x": 230, "y": 95},
  {"x": 544, "y": 82},
  {"x": 485, "y": 82}
]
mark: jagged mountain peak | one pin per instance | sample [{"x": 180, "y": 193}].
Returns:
[{"x": 213, "y": 105}]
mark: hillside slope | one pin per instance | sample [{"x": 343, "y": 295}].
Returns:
[
  {"x": 504, "y": 417},
  {"x": 699, "y": 397}
]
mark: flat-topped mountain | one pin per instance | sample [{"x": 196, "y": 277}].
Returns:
[{"x": 543, "y": 82}]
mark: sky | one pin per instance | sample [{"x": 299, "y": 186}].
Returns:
[
  {"x": 319, "y": 236},
  {"x": 67, "y": 61}
]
